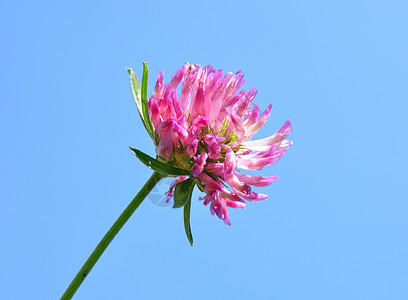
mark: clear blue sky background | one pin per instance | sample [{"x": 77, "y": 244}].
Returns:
[{"x": 335, "y": 225}]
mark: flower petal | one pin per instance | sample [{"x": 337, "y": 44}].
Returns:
[
  {"x": 256, "y": 180},
  {"x": 277, "y": 137},
  {"x": 199, "y": 162},
  {"x": 251, "y": 130}
]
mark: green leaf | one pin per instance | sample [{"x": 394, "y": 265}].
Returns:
[
  {"x": 158, "y": 165},
  {"x": 187, "y": 227},
  {"x": 137, "y": 90},
  {"x": 144, "y": 82},
  {"x": 182, "y": 192},
  {"x": 145, "y": 100}
]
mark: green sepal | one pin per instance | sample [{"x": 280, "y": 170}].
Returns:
[
  {"x": 139, "y": 93},
  {"x": 187, "y": 227},
  {"x": 157, "y": 165},
  {"x": 182, "y": 192}
]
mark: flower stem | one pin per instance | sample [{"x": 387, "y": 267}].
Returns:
[{"x": 104, "y": 243}]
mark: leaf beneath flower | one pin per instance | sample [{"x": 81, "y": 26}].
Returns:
[
  {"x": 187, "y": 227},
  {"x": 139, "y": 93},
  {"x": 158, "y": 165},
  {"x": 145, "y": 99},
  {"x": 182, "y": 192}
]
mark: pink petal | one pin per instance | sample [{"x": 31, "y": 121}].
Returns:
[
  {"x": 219, "y": 207},
  {"x": 277, "y": 137},
  {"x": 251, "y": 130},
  {"x": 191, "y": 148},
  {"x": 214, "y": 149},
  {"x": 178, "y": 76},
  {"x": 154, "y": 113},
  {"x": 239, "y": 129},
  {"x": 188, "y": 83},
  {"x": 256, "y": 180},
  {"x": 234, "y": 84},
  {"x": 245, "y": 102},
  {"x": 217, "y": 98},
  {"x": 215, "y": 168},
  {"x": 258, "y": 163},
  {"x": 199, "y": 162},
  {"x": 198, "y": 125},
  {"x": 229, "y": 163},
  {"x": 253, "y": 116},
  {"x": 159, "y": 85},
  {"x": 197, "y": 104},
  {"x": 235, "y": 204},
  {"x": 165, "y": 147}
]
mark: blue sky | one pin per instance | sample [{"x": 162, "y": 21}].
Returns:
[{"x": 335, "y": 225}]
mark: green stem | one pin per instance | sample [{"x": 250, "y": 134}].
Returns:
[{"x": 104, "y": 243}]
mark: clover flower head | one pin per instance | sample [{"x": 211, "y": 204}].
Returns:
[
  {"x": 203, "y": 137},
  {"x": 208, "y": 129}
]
